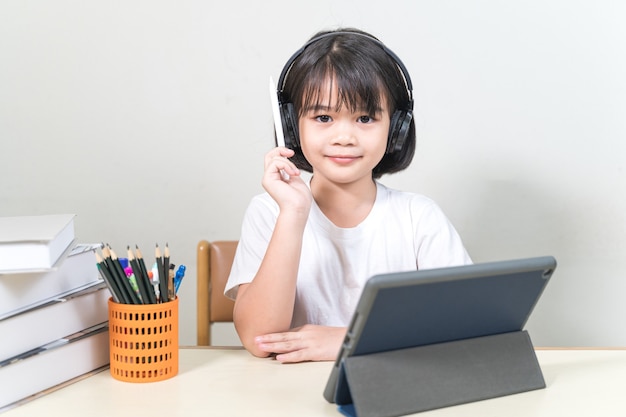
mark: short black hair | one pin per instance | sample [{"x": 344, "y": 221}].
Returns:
[{"x": 364, "y": 74}]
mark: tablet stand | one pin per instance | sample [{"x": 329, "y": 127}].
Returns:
[{"x": 422, "y": 378}]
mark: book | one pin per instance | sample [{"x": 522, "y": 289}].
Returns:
[
  {"x": 34, "y": 242},
  {"x": 52, "y": 364},
  {"x": 23, "y": 291},
  {"x": 53, "y": 320}
]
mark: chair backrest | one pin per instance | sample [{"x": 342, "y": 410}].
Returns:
[{"x": 214, "y": 260}]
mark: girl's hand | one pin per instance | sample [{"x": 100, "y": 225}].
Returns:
[
  {"x": 307, "y": 343},
  {"x": 283, "y": 182}
]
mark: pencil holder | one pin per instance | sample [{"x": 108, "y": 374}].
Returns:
[{"x": 143, "y": 341}]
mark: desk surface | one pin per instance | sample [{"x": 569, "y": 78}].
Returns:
[{"x": 232, "y": 382}]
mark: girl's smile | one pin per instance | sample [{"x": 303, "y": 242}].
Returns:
[{"x": 343, "y": 159}]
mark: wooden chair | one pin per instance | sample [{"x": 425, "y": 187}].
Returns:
[{"x": 214, "y": 260}]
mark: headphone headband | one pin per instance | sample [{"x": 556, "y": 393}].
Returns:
[{"x": 389, "y": 52}]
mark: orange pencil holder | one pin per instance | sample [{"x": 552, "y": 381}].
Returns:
[{"x": 143, "y": 341}]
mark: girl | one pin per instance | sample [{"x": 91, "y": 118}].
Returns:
[{"x": 307, "y": 248}]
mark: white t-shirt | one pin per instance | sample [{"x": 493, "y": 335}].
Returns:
[{"x": 403, "y": 232}]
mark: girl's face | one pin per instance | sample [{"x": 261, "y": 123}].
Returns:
[{"x": 343, "y": 146}]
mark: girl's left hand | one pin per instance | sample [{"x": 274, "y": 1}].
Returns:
[{"x": 307, "y": 343}]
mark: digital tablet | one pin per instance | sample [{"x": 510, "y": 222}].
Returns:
[{"x": 408, "y": 309}]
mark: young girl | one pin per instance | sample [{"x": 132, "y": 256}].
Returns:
[{"x": 307, "y": 249}]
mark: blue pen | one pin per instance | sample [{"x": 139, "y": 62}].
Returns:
[
  {"x": 180, "y": 274},
  {"x": 123, "y": 262}
]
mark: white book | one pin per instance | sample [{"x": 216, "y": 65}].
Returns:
[
  {"x": 23, "y": 291},
  {"x": 54, "y": 320},
  {"x": 53, "y": 364},
  {"x": 34, "y": 242}
]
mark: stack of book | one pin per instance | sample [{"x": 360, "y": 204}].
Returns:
[{"x": 53, "y": 307}]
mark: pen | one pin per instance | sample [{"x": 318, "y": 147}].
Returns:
[
  {"x": 154, "y": 279},
  {"x": 133, "y": 284},
  {"x": 123, "y": 262},
  {"x": 180, "y": 274},
  {"x": 278, "y": 124}
]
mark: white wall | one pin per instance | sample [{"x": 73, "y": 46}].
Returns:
[{"x": 150, "y": 119}]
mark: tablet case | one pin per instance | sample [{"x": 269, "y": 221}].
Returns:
[
  {"x": 464, "y": 343},
  {"x": 441, "y": 375}
]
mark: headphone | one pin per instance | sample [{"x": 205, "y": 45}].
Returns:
[{"x": 400, "y": 120}]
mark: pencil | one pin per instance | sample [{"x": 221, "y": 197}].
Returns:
[
  {"x": 141, "y": 283},
  {"x": 106, "y": 276},
  {"x": 162, "y": 275},
  {"x": 134, "y": 299},
  {"x": 144, "y": 275},
  {"x": 170, "y": 274},
  {"x": 108, "y": 262}
]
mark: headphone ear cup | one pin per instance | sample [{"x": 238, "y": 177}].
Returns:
[
  {"x": 399, "y": 130},
  {"x": 289, "y": 120}
]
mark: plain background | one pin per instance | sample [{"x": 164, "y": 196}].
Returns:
[{"x": 149, "y": 120}]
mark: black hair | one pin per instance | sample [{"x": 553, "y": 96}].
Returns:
[{"x": 363, "y": 73}]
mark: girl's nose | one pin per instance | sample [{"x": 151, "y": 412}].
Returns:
[{"x": 344, "y": 134}]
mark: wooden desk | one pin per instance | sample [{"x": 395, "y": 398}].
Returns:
[{"x": 230, "y": 382}]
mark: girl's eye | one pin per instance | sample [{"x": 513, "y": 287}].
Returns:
[
  {"x": 323, "y": 118},
  {"x": 365, "y": 119}
]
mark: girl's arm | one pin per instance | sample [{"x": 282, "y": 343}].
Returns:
[{"x": 266, "y": 304}]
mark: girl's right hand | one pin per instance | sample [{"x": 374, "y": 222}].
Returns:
[{"x": 283, "y": 182}]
